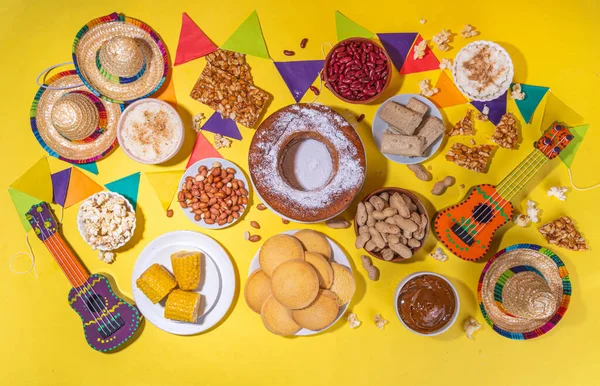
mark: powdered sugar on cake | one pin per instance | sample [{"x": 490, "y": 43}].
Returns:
[{"x": 350, "y": 171}]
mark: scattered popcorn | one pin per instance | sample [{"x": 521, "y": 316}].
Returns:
[
  {"x": 468, "y": 31},
  {"x": 521, "y": 220},
  {"x": 426, "y": 89},
  {"x": 423, "y": 21},
  {"x": 221, "y": 141},
  {"x": 106, "y": 221},
  {"x": 106, "y": 256},
  {"x": 516, "y": 92},
  {"x": 442, "y": 40},
  {"x": 471, "y": 326},
  {"x": 533, "y": 211},
  {"x": 559, "y": 192},
  {"x": 445, "y": 64},
  {"x": 353, "y": 320},
  {"x": 483, "y": 115},
  {"x": 472, "y": 141},
  {"x": 380, "y": 322},
  {"x": 439, "y": 255},
  {"x": 419, "y": 50},
  {"x": 197, "y": 122}
]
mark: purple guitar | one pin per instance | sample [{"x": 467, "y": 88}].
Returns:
[{"x": 108, "y": 320}]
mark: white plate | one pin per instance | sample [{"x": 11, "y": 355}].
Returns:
[
  {"x": 217, "y": 285},
  {"x": 193, "y": 170},
  {"x": 379, "y": 127},
  {"x": 338, "y": 257}
]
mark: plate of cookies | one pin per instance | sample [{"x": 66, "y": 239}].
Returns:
[
  {"x": 183, "y": 282},
  {"x": 300, "y": 283},
  {"x": 408, "y": 128}
]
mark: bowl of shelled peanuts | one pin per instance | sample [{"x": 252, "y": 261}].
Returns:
[
  {"x": 213, "y": 193},
  {"x": 391, "y": 224}
]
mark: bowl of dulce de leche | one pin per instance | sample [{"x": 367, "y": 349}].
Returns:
[{"x": 426, "y": 303}]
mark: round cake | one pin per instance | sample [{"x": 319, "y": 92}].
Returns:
[{"x": 307, "y": 162}]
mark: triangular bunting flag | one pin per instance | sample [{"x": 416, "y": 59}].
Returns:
[
  {"x": 23, "y": 202},
  {"x": 202, "y": 149},
  {"x": 80, "y": 188},
  {"x": 533, "y": 97},
  {"x": 193, "y": 43},
  {"x": 397, "y": 46},
  {"x": 568, "y": 153},
  {"x": 248, "y": 39},
  {"x": 298, "y": 76},
  {"x": 36, "y": 182},
  {"x": 127, "y": 187},
  {"x": 556, "y": 110},
  {"x": 346, "y": 28},
  {"x": 426, "y": 63},
  {"x": 497, "y": 108},
  {"x": 225, "y": 127},
  {"x": 91, "y": 167},
  {"x": 165, "y": 185},
  {"x": 60, "y": 185},
  {"x": 448, "y": 95}
]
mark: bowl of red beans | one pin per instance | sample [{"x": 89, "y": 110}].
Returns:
[{"x": 357, "y": 70}]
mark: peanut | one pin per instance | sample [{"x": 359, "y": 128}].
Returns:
[
  {"x": 376, "y": 237},
  {"x": 414, "y": 243},
  {"x": 254, "y": 238},
  {"x": 402, "y": 250},
  {"x": 362, "y": 239},
  {"x": 387, "y": 254},
  {"x": 440, "y": 187},
  {"x": 398, "y": 203},
  {"x": 361, "y": 214},
  {"x": 405, "y": 223},
  {"x": 370, "y": 246},
  {"x": 382, "y": 215},
  {"x": 337, "y": 223},
  {"x": 383, "y": 227},
  {"x": 377, "y": 202},
  {"x": 393, "y": 239},
  {"x": 411, "y": 205},
  {"x": 372, "y": 271},
  {"x": 420, "y": 172},
  {"x": 370, "y": 210},
  {"x": 363, "y": 229},
  {"x": 385, "y": 196},
  {"x": 261, "y": 207},
  {"x": 254, "y": 224}
]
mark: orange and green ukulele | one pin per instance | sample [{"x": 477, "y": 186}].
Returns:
[{"x": 467, "y": 228}]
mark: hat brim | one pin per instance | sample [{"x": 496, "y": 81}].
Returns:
[
  {"x": 76, "y": 152},
  {"x": 94, "y": 34},
  {"x": 539, "y": 259}
]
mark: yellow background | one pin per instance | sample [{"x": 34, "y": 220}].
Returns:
[{"x": 552, "y": 43}]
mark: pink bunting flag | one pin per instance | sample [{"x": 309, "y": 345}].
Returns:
[
  {"x": 202, "y": 149},
  {"x": 193, "y": 43},
  {"x": 225, "y": 127},
  {"x": 299, "y": 75}
]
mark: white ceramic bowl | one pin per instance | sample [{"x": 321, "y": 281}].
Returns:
[
  {"x": 132, "y": 106},
  {"x": 193, "y": 170},
  {"x": 380, "y": 126},
  {"x": 80, "y": 222},
  {"x": 505, "y": 85},
  {"x": 456, "y": 309}
]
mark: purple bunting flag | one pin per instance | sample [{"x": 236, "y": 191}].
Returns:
[
  {"x": 397, "y": 46},
  {"x": 226, "y": 127},
  {"x": 497, "y": 107},
  {"x": 60, "y": 185},
  {"x": 298, "y": 76}
]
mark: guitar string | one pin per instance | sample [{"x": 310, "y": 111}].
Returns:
[
  {"x": 495, "y": 195},
  {"x": 517, "y": 187},
  {"x": 83, "y": 294}
]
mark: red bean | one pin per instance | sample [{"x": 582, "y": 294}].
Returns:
[
  {"x": 315, "y": 90},
  {"x": 303, "y": 43},
  {"x": 289, "y": 53},
  {"x": 360, "y": 118}
]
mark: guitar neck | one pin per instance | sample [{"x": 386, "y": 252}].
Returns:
[
  {"x": 521, "y": 175},
  {"x": 67, "y": 260}
]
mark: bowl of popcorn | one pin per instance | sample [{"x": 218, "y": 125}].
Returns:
[{"x": 106, "y": 221}]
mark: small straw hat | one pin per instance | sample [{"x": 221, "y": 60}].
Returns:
[
  {"x": 120, "y": 59},
  {"x": 524, "y": 291},
  {"x": 70, "y": 122}
]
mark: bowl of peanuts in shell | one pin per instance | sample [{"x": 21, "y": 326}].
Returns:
[
  {"x": 213, "y": 193},
  {"x": 357, "y": 70},
  {"x": 391, "y": 224}
]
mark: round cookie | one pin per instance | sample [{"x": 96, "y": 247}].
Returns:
[
  {"x": 295, "y": 284},
  {"x": 322, "y": 266},
  {"x": 277, "y": 318},
  {"x": 343, "y": 283},
  {"x": 320, "y": 313},
  {"x": 257, "y": 290},
  {"x": 314, "y": 241},
  {"x": 278, "y": 249}
]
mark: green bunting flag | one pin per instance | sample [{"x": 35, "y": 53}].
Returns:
[
  {"x": 346, "y": 28},
  {"x": 248, "y": 39}
]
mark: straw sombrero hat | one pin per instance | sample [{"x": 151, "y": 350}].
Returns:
[
  {"x": 120, "y": 59},
  {"x": 524, "y": 291},
  {"x": 70, "y": 122}
]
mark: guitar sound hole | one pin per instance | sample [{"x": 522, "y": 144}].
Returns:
[
  {"x": 483, "y": 213},
  {"x": 95, "y": 303}
]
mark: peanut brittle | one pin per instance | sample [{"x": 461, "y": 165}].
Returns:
[
  {"x": 506, "y": 134},
  {"x": 464, "y": 126},
  {"x": 231, "y": 96},
  {"x": 232, "y": 62},
  {"x": 562, "y": 232},
  {"x": 472, "y": 158}
]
